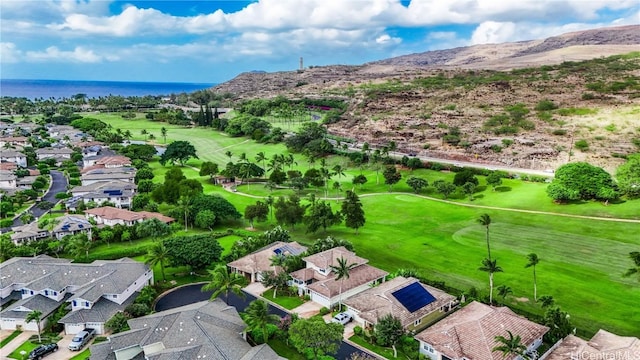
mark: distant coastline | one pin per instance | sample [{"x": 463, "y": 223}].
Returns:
[{"x": 34, "y": 89}]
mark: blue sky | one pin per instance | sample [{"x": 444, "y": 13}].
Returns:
[{"x": 211, "y": 41}]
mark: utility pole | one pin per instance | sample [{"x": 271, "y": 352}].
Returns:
[{"x": 301, "y": 64}]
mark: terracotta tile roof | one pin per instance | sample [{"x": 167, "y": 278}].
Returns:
[
  {"x": 307, "y": 274},
  {"x": 8, "y": 166},
  {"x": 603, "y": 345},
  {"x": 112, "y": 213},
  {"x": 154, "y": 215},
  {"x": 330, "y": 258},
  {"x": 260, "y": 260},
  {"x": 377, "y": 302},
  {"x": 471, "y": 331},
  {"x": 114, "y": 160},
  {"x": 358, "y": 276}
]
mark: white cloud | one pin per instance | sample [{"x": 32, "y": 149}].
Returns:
[
  {"x": 491, "y": 32},
  {"x": 79, "y": 55},
  {"x": 9, "y": 53}
]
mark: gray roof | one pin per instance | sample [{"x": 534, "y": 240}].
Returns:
[
  {"x": 36, "y": 302},
  {"x": 54, "y": 151},
  {"x": 7, "y": 175},
  {"x": 69, "y": 223},
  {"x": 104, "y": 185},
  {"x": 100, "y": 312},
  {"x": 108, "y": 276},
  {"x": 204, "y": 329},
  {"x": 113, "y": 170},
  {"x": 10, "y": 154},
  {"x": 107, "y": 176}
]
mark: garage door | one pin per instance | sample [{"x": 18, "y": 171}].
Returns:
[{"x": 73, "y": 328}]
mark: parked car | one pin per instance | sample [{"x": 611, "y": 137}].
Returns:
[
  {"x": 342, "y": 318},
  {"x": 81, "y": 339},
  {"x": 42, "y": 351}
]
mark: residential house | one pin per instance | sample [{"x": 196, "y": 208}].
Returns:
[
  {"x": 95, "y": 291},
  {"x": 116, "y": 192},
  {"x": 59, "y": 154},
  {"x": 470, "y": 334},
  {"x": 64, "y": 225},
  {"x": 203, "y": 330},
  {"x": 319, "y": 281},
  {"x": 603, "y": 345},
  {"x": 8, "y": 180},
  {"x": 20, "y": 141},
  {"x": 107, "y": 161},
  {"x": 111, "y": 216},
  {"x": 98, "y": 174},
  {"x": 26, "y": 182},
  {"x": 91, "y": 150},
  {"x": 416, "y": 305},
  {"x": 252, "y": 265},
  {"x": 15, "y": 157}
]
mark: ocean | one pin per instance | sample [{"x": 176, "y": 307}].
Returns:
[{"x": 33, "y": 89}]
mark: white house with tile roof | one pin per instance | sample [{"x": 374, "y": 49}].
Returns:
[
  {"x": 405, "y": 298},
  {"x": 15, "y": 157},
  {"x": 252, "y": 265},
  {"x": 65, "y": 225},
  {"x": 203, "y": 330},
  {"x": 95, "y": 291},
  {"x": 603, "y": 345},
  {"x": 318, "y": 280},
  {"x": 470, "y": 333}
]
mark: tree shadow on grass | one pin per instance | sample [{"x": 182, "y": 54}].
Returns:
[{"x": 503, "y": 188}]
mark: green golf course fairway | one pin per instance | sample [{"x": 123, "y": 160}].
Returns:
[{"x": 581, "y": 260}]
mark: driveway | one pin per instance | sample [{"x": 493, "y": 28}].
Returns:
[
  {"x": 13, "y": 344},
  {"x": 63, "y": 352}
]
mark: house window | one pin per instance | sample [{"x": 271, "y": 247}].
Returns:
[
  {"x": 115, "y": 296},
  {"x": 55, "y": 293},
  {"x": 428, "y": 348},
  {"x": 46, "y": 292},
  {"x": 75, "y": 303},
  {"x": 86, "y": 303},
  {"x": 31, "y": 292},
  {"x": 417, "y": 322}
]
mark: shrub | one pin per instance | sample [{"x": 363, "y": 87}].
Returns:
[
  {"x": 74, "y": 182},
  {"x": 450, "y": 107},
  {"x": 507, "y": 142},
  {"x": 324, "y": 311},
  {"x": 610, "y": 127},
  {"x": 582, "y": 145},
  {"x": 546, "y": 105},
  {"x": 6, "y": 223},
  {"x": 588, "y": 96},
  {"x": 559, "y": 132},
  {"x": 426, "y": 146},
  {"x": 496, "y": 148},
  {"x": 357, "y": 330}
]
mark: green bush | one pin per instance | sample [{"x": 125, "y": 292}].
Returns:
[
  {"x": 582, "y": 145},
  {"x": 6, "y": 223},
  {"x": 546, "y": 105},
  {"x": 323, "y": 311},
  {"x": 559, "y": 132},
  {"x": 357, "y": 330},
  {"x": 74, "y": 182},
  {"x": 588, "y": 96}
]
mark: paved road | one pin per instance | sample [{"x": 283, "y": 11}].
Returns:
[
  {"x": 58, "y": 184},
  {"x": 191, "y": 293}
]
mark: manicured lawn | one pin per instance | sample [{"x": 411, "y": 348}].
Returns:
[
  {"x": 82, "y": 356},
  {"x": 287, "y": 302},
  {"x": 284, "y": 350},
  {"x": 582, "y": 261},
  {"x": 27, "y": 346},
  {"x": 387, "y": 352},
  {"x": 8, "y": 339}
]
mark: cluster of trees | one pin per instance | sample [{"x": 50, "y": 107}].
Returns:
[{"x": 582, "y": 181}]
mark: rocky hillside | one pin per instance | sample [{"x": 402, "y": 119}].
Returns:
[{"x": 523, "y": 104}]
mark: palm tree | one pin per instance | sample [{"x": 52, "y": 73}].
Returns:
[
  {"x": 157, "y": 254},
  {"x": 635, "y": 257},
  {"x": 35, "y": 315},
  {"x": 260, "y": 157},
  {"x": 490, "y": 266},
  {"x": 152, "y": 137},
  {"x": 546, "y": 301},
  {"x": 342, "y": 272},
  {"x": 257, "y": 317},
  {"x": 163, "y": 131},
  {"x": 504, "y": 291},
  {"x": 80, "y": 244},
  {"x": 229, "y": 154},
  {"x": 144, "y": 132},
  {"x": 511, "y": 346},
  {"x": 533, "y": 261},
  {"x": 222, "y": 281},
  {"x": 269, "y": 201},
  {"x": 485, "y": 220}
]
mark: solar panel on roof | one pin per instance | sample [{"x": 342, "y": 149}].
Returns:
[{"x": 414, "y": 297}]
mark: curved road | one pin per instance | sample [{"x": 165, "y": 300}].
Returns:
[{"x": 58, "y": 184}]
